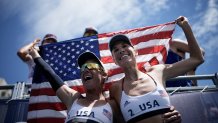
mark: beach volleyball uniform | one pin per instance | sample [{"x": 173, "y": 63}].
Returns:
[
  {"x": 137, "y": 108},
  {"x": 99, "y": 114},
  {"x": 173, "y": 58},
  {"x": 77, "y": 112}
]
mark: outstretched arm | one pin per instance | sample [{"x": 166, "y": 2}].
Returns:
[
  {"x": 66, "y": 94},
  {"x": 196, "y": 57}
]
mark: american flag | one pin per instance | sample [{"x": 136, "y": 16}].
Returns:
[{"x": 152, "y": 44}]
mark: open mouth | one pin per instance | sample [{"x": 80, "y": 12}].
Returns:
[
  {"x": 87, "y": 77},
  {"x": 123, "y": 57}
]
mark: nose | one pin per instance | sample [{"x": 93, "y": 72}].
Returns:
[{"x": 121, "y": 51}]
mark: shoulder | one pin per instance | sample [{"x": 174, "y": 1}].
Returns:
[
  {"x": 115, "y": 89},
  {"x": 158, "y": 67},
  {"x": 116, "y": 86},
  {"x": 157, "y": 71}
]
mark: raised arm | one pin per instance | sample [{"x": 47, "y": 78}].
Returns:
[
  {"x": 196, "y": 57},
  {"x": 180, "y": 47},
  {"x": 65, "y": 93},
  {"x": 23, "y": 52}
]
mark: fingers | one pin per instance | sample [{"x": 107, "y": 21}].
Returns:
[
  {"x": 36, "y": 41},
  {"x": 172, "y": 108},
  {"x": 181, "y": 20},
  {"x": 170, "y": 114},
  {"x": 33, "y": 52},
  {"x": 173, "y": 119}
]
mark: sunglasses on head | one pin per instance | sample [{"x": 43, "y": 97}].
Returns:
[{"x": 90, "y": 66}]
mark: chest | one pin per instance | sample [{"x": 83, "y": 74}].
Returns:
[
  {"x": 140, "y": 88},
  {"x": 100, "y": 113}
]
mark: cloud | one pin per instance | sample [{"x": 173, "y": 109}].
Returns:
[
  {"x": 209, "y": 21},
  {"x": 206, "y": 29},
  {"x": 153, "y": 6},
  {"x": 67, "y": 19},
  {"x": 211, "y": 46}
]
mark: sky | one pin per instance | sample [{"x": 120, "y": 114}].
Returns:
[{"x": 22, "y": 21}]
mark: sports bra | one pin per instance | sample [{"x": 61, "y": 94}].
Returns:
[
  {"x": 91, "y": 114},
  {"x": 136, "y": 108}
]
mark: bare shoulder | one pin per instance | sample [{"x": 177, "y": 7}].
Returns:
[
  {"x": 158, "y": 67},
  {"x": 115, "y": 89},
  {"x": 116, "y": 85}
]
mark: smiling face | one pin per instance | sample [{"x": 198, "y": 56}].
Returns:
[
  {"x": 92, "y": 74},
  {"x": 123, "y": 53}
]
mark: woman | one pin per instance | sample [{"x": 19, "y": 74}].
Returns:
[
  {"x": 142, "y": 96},
  {"x": 94, "y": 107}
]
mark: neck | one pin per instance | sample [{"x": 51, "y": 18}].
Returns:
[
  {"x": 92, "y": 95},
  {"x": 132, "y": 73}
]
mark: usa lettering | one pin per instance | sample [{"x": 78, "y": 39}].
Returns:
[
  {"x": 85, "y": 113},
  {"x": 145, "y": 106}
]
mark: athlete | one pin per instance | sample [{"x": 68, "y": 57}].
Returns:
[
  {"x": 92, "y": 108},
  {"x": 142, "y": 96}
]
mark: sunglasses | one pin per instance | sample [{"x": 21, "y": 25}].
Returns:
[{"x": 90, "y": 66}]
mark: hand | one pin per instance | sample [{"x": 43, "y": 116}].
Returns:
[
  {"x": 181, "y": 20},
  {"x": 36, "y": 41},
  {"x": 33, "y": 51},
  {"x": 172, "y": 117}
]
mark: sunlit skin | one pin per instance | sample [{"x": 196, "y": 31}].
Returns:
[
  {"x": 137, "y": 83},
  {"x": 23, "y": 52},
  {"x": 124, "y": 56},
  {"x": 93, "y": 80}
]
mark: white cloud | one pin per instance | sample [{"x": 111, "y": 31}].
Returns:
[
  {"x": 209, "y": 22},
  {"x": 67, "y": 19},
  {"x": 211, "y": 46},
  {"x": 154, "y": 6},
  {"x": 199, "y": 5},
  {"x": 206, "y": 29}
]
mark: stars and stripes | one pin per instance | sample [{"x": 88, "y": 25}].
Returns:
[{"x": 152, "y": 44}]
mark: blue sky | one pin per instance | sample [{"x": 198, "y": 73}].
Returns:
[{"x": 22, "y": 21}]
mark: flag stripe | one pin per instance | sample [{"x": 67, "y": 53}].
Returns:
[
  {"x": 46, "y": 120},
  {"x": 138, "y": 31},
  {"x": 151, "y": 43},
  {"x": 55, "y": 106},
  {"x": 143, "y": 38},
  {"x": 46, "y": 114}
]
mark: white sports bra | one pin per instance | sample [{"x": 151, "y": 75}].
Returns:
[
  {"x": 136, "y": 108},
  {"x": 91, "y": 114}
]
